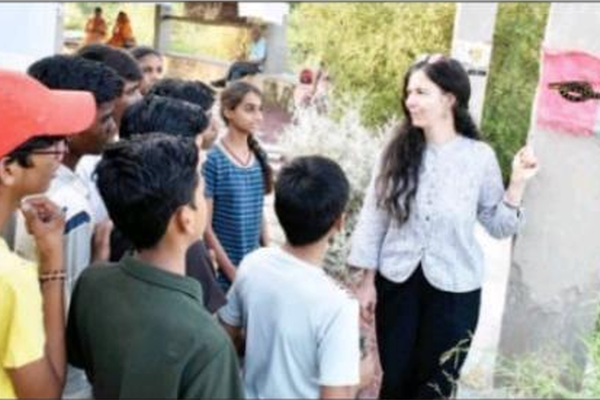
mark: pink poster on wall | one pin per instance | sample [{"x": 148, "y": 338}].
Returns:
[{"x": 568, "y": 98}]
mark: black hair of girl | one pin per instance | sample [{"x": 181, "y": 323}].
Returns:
[
  {"x": 233, "y": 96},
  {"x": 140, "y": 52},
  {"x": 118, "y": 59},
  {"x": 398, "y": 179},
  {"x": 196, "y": 92},
  {"x": 163, "y": 114}
]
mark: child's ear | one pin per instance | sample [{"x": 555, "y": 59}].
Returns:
[
  {"x": 337, "y": 227},
  {"x": 7, "y": 172},
  {"x": 451, "y": 99},
  {"x": 227, "y": 113},
  {"x": 184, "y": 218},
  {"x": 340, "y": 222}
]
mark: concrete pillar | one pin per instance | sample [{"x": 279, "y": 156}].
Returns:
[
  {"x": 28, "y": 32},
  {"x": 59, "y": 33},
  {"x": 472, "y": 45},
  {"x": 162, "y": 28},
  {"x": 277, "y": 50},
  {"x": 554, "y": 282}
]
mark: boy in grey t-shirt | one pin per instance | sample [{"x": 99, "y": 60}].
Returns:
[{"x": 301, "y": 329}]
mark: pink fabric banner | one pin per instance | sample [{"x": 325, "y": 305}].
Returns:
[{"x": 554, "y": 111}]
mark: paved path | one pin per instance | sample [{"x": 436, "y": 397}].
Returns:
[{"x": 477, "y": 375}]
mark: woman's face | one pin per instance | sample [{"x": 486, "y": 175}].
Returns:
[
  {"x": 152, "y": 70},
  {"x": 247, "y": 116},
  {"x": 427, "y": 104}
]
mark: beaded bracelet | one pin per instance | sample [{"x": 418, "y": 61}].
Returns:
[
  {"x": 54, "y": 272},
  {"x": 52, "y": 275},
  {"x": 52, "y": 278}
]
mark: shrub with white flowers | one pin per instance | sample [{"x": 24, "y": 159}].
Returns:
[{"x": 348, "y": 142}]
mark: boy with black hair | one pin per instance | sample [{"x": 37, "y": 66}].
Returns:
[
  {"x": 167, "y": 345},
  {"x": 34, "y": 122},
  {"x": 195, "y": 92},
  {"x": 131, "y": 75},
  {"x": 125, "y": 66},
  {"x": 165, "y": 114},
  {"x": 177, "y": 118},
  {"x": 76, "y": 73},
  {"x": 67, "y": 189},
  {"x": 301, "y": 329}
]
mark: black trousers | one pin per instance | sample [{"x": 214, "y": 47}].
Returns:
[
  {"x": 240, "y": 69},
  {"x": 424, "y": 335}
]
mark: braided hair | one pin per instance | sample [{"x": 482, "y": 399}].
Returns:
[{"x": 233, "y": 96}]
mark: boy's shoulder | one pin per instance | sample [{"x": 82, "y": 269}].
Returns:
[
  {"x": 315, "y": 280},
  {"x": 215, "y": 152},
  {"x": 338, "y": 294},
  {"x": 262, "y": 253},
  {"x": 210, "y": 336},
  {"x": 99, "y": 272},
  {"x": 15, "y": 271},
  {"x": 101, "y": 268},
  {"x": 258, "y": 257}
]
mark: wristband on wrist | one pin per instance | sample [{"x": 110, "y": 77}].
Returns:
[
  {"x": 53, "y": 275},
  {"x": 53, "y": 272},
  {"x": 510, "y": 205},
  {"x": 52, "y": 278}
]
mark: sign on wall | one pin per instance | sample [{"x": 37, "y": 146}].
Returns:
[
  {"x": 475, "y": 56},
  {"x": 569, "y": 93}
]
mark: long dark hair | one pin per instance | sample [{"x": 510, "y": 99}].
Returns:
[
  {"x": 231, "y": 97},
  {"x": 398, "y": 179}
]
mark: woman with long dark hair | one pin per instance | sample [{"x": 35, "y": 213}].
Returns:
[
  {"x": 415, "y": 235},
  {"x": 237, "y": 176}
]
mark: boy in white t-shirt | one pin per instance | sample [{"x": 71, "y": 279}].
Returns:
[{"x": 298, "y": 329}]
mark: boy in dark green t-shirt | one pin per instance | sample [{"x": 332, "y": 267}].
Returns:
[{"x": 139, "y": 327}]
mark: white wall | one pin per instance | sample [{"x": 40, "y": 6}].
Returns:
[
  {"x": 29, "y": 31},
  {"x": 272, "y": 12}
]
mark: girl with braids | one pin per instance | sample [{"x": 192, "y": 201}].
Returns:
[
  {"x": 414, "y": 238},
  {"x": 237, "y": 177}
]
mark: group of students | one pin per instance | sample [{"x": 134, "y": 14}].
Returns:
[
  {"x": 108, "y": 288},
  {"x": 117, "y": 207}
]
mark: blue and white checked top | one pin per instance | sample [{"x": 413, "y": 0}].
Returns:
[
  {"x": 238, "y": 198},
  {"x": 459, "y": 183}
]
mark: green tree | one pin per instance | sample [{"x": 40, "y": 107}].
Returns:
[
  {"x": 369, "y": 46},
  {"x": 513, "y": 77}
]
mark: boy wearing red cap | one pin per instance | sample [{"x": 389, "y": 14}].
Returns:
[
  {"x": 33, "y": 124},
  {"x": 67, "y": 189}
]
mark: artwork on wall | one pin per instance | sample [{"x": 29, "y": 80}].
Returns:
[
  {"x": 569, "y": 93},
  {"x": 475, "y": 56}
]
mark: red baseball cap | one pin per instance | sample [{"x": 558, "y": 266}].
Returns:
[{"x": 29, "y": 109}]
